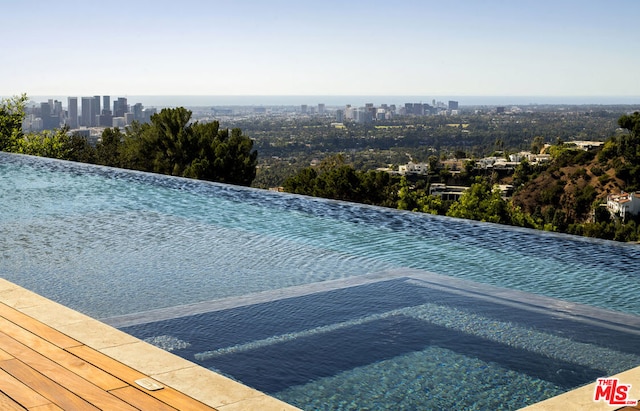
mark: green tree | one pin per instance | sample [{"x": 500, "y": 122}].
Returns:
[
  {"x": 11, "y": 116},
  {"x": 522, "y": 173},
  {"x": 537, "y": 144},
  {"x": 108, "y": 149},
  {"x": 631, "y": 123},
  {"x": 171, "y": 144},
  {"x": 433, "y": 163},
  {"x": 377, "y": 187},
  {"x": 415, "y": 199},
  {"x": 340, "y": 183},
  {"x": 80, "y": 150},
  {"x": 407, "y": 198},
  {"x": 48, "y": 143},
  {"x": 304, "y": 182},
  {"x": 481, "y": 202}
]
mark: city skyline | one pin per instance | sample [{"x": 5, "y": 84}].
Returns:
[
  {"x": 95, "y": 112},
  {"x": 469, "y": 48}
]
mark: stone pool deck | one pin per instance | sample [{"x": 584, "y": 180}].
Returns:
[{"x": 54, "y": 358}]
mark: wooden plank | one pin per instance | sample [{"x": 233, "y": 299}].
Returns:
[
  {"x": 87, "y": 371},
  {"x": 140, "y": 399},
  {"x": 61, "y": 376},
  {"x": 167, "y": 395},
  {"x": 45, "y": 386},
  {"x": 5, "y": 355},
  {"x": 6, "y": 403},
  {"x": 48, "y": 407},
  {"x": 20, "y": 392},
  {"x": 100, "y": 360},
  {"x": 31, "y": 324}
]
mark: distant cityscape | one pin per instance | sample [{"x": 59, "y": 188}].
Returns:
[
  {"x": 96, "y": 112},
  {"x": 89, "y": 116}
]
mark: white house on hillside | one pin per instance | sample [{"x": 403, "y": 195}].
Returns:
[
  {"x": 414, "y": 168},
  {"x": 624, "y": 204}
]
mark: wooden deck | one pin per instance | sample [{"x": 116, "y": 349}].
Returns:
[
  {"x": 43, "y": 369},
  {"x": 54, "y": 358}
]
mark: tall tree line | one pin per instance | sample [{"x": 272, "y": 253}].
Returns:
[{"x": 170, "y": 144}]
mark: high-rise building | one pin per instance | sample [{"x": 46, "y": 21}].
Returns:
[
  {"x": 106, "y": 105},
  {"x": 95, "y": 111},
  {"x": 147, "y": 113},
  {"x": 86, "y": 112},
  {"x": 137, "y": 112},
  {"x": 45, "y": 115},
  {"x": 416, "y": 109},
  {"x": 321, "y": 109},
  {"x": 57, "y": 108},
  {"x": 50, "y": 113},
  {"x": 453, "y": 105},
  {"x": 120, "y": 107},
  {"x": 105, "y": 119},
  {"x": 72, "y": 116}
]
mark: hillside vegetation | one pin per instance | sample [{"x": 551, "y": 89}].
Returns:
[
  {"x": 570, "y": 192},
  {"x": 564, "y": 195}
]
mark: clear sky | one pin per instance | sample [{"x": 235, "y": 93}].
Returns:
[{"x": 298, "y": 47}]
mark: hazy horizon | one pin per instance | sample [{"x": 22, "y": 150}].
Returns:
[
  {"x": 286, "y": 47},
  {"x": 355, "y": 100}
]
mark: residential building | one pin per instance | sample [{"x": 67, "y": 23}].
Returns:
[
  {"x": 624, "y": 205},
  {"x": 445, "y": 192},
  {"x": 587, "y": 145},
  {"x": 414, "y": 168}
]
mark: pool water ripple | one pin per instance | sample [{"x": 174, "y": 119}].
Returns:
[
  {"x": 119, "y": 218},
  {"x": 110, "y": 242}
]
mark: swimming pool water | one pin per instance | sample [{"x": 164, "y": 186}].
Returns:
[{"x": 112, "y": 243}]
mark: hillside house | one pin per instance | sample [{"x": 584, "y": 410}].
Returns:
[
  {"x": 530, "y": 157},
  {"x": 624, "y": 204},
  {"x": 445, "y": 192},
  {"x": 587, "y": 145},
  {"x": 414, "y": 168}
]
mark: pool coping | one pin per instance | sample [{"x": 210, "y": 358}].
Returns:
[{"x": 202, "y": 384}]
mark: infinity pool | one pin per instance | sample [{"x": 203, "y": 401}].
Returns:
[{"x": 324, "y": 304}]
